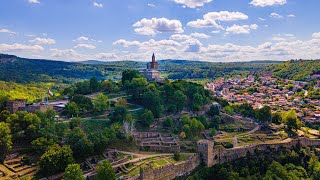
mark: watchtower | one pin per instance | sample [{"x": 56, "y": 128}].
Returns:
[{"x": 205, "y": 148}]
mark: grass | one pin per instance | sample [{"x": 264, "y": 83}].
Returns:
[{"x": 159, "y": 163}]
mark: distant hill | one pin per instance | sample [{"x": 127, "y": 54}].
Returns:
[
  {"x": 23, "y": 70},
  {"x": 295, "y": 69}
]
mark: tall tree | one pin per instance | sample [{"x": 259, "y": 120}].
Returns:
[
  {"x": 152, "y": 101},
  {"x": 84, "y": 103},
  {"x": 101, "y": 102},
  {"x": 292, "y": 120},
  {"x": 147, "y": 117},
  {"x": 73, "y": 172},
  {"x": 264, "y": 114},
  {"x": 55, "y": 159},
  {"x": 5, "y": 140},
  {"x": 105, "y": 171},
  {"x": 94, "y": 84},
  {"x": 72, "y": 109}
]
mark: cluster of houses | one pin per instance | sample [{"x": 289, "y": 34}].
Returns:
[{"x": 280, "y": 95}]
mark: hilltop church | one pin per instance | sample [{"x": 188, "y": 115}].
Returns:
[{"x": 152, "y": 72}]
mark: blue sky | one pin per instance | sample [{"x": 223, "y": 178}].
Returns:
[{"x": 209, "y": 30}]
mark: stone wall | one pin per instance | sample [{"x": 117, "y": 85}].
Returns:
[
  {"x": 16, "y": 105},
  {"x": 171, "y": 171},
  {"x": 212, "y": 156}
]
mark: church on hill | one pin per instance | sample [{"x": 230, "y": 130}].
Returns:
[{"x": 152, "y": 72}]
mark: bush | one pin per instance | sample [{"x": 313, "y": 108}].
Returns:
[{"x": 177, "y": 156}]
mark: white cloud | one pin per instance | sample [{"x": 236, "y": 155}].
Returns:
[
  {"x": 278, "y": 39},
  {"x": 192, "y": 3},
  {"x": 154, "y": 26},
  {"x": 34, "y": 1},
  {"x": 19, "y": 47},
  {"x": 276, "y": 15},
  {"x": 43, "y": 41},
  {"x": 82, "y": 38},
  {"x": 106, "y": 56},
  {"x": 99, "y": 5},
  {"x": 244, "y": 29},
  {"x": 316, "y": 35},
  {"x": 67, "y": 54},
  {"x": 2, "y": 30},
  {"x": 261, "y": 19},
  {"x": 215, "y": 32},
  {"x": 151, "y": 5},
  {"x": 180, "y": 37},
  {"x": 183, "y": 37},
  {"x": 192, "y": 45},
  {"x": 264, "y": 3},
  {"x": 86, "y": 46},
  {"x": 147, "y": 44},
  {"x": 199, "y": 35},
  {"x": 210, "y": 19},
  {"x": 291, "y": 15}
]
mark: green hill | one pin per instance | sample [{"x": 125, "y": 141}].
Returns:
[
  {"x": 295, "y": 70},
  {"x": 23, "y": 70}
]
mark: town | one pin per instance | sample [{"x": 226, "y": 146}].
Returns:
[
  {"x": 279, "y": 94},
  {"x": 159, "y": 90}
]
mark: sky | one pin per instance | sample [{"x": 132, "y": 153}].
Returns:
[{"x": 206, "y": 30}]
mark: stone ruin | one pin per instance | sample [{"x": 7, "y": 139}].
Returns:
[
  {"x": 211, "y": 155},
  {"x": 16, "y": 168},
  {"x": 153, "y": 141}
]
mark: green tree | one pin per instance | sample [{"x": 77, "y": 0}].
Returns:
[
  {"x": 152, "y": 101},
  {"x": 55, "y": 159},
  {"x": 197, "y": 102},
  {"x": 72, "y": 109},
  {"x": 179, "y": 100},
  {"x": 41, "y": 144},
  {"x": 79, "y": 143},
  {"x": 101, "y": 102},
  {"x": 119, "y": 114},
  {"x": 100, "y": 141},
  {"x": 277, "y": 118},
  {"x": 147, "y": 118},
  {"x": 31, "y": 124},
  {"x": 168, "y": 122},
  {"x": 5, "y": 140},
  {"x": 73, "y": 172},
  {"x": 84, "y": 103},
  {"x": 121, "y": 102},
  {"x": 136, "y": 87},
  {"x": 264, "y": 114},
  {"x": 94, "y": 85},
  {"x": 128, "y": 75},
  {"x": 213, "y": 111},
  {"x": 75, "y": 122},
  {"x": 292, "y": 120},
  {"x": 229, "y": 110},
  {"x": 105, "y": 171},
  {"x": 4, "y": 115}
]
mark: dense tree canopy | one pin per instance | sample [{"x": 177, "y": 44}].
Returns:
[{"x": 55, "y": 159}]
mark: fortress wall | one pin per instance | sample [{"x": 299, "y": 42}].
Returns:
[
  {"x": 170, "y": 171},
  {"x": 221, "y": 155}
]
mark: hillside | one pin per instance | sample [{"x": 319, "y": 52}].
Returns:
[
  {"x": 295, "y": 70},
  {"x": 23, "y": 70}
]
